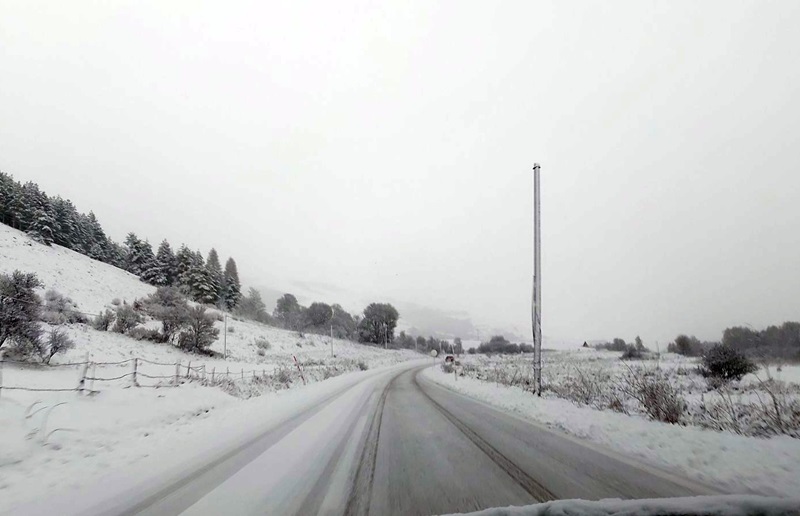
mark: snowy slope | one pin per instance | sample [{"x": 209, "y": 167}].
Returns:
[{"x": 91, "y": 284}]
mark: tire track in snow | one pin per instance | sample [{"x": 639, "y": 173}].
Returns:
[{"x": 528, "y": 483}]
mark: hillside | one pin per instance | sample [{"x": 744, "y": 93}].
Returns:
[
  {"x": 90, "y": 283},
  {"x": 92, "y": 432}
]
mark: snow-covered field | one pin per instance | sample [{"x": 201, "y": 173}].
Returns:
[
  {"x": 735, "y": 463},
  {"x": 62, "y": 440}
]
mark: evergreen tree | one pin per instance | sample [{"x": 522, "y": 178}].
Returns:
[
  {"x": 166, "y": 265},
  {"x": 232, "y": 289},
  {"x": 149, "y": 265},
  {"x": 117, "y": 255},
  {"x": 201, "y": 285},
  {"x": 133, "y": 261},
  {"x": 215, "y": 275},
  {"x": 140, "y": 257},
  {"x": 183, "y": 266},
  {"x": 7, "y": 193},
  {"x": 64, "y": 214},
  {"x": 41, "y": 227},
  {"x": 97, "y": 239}
]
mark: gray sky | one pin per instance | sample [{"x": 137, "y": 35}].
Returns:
[{"x": 385, "y": 151}]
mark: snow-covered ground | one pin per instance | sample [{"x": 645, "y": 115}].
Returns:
[
  {"x": 62, "y": 440},
  {"x": 727, "y": 505},
  {"x": 735, "y": 463}
]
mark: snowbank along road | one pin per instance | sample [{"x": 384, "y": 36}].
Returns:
[{"x": 393, "y": 443}]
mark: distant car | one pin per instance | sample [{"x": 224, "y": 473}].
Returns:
[{"x": 449, "y": 359}]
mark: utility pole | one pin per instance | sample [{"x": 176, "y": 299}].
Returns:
[
  {"x": 225, "y": 338},
  {"x": 331, "y": 332},
  {"x": 536, "y": 308}
]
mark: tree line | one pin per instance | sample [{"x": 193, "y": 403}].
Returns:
[
  {"x": 781, "y": 342},
  {"x": 54, "y": 220}
]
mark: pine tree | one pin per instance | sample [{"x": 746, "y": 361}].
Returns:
[
  {"x": 149, "y": 265},
  {"x": 200, "y": 284},
  {"x": 232, "y": 289},
  {"x": 166, "y": 265},
  {"x": 98, "y": 239},
  {"x": 134, "y": 260},
  {"x": 215, "y": 275},
  {"x": 65, "y": 215},
  {"x": 140, "y": 257},
  {"x": 41, "y": 227},
  {"x": 7, "y": 191},
  {"x": 183, "y": 266}
]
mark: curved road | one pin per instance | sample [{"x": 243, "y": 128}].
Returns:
[{"x": 396, "y": 443}]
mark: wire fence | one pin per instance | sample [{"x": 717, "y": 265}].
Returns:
[{"x": 180, "y": 373}]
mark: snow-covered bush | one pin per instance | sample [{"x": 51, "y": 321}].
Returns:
[
  {"x": 146, "y": 334},
  {"x": 722, "y": 363},
  {"x": 60, "y": 309},
  {"x": 200, "y": 332},
  {"x": 767, "y": 409},
  {"x": 362, "y": 366},
  {"x": 126, "y": 319},
  {"x": 262, "y": 343},
  {"x": 57, "y": 342},
  {"x": 20, "y": 309},
  {"x": 167, "y": 305},
  {"x": 632, "y": 353},
  {"x": 103, "y": 320},
  {"x": 652, "y": 389}
]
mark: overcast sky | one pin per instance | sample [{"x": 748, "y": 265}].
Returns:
[{"x": 384, "y": 151}]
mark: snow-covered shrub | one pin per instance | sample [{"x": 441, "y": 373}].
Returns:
[
  {"x": 261, "y": 353},
  {"x": 262, "y": 343},
  {"x": 283, "y": 376},
  {"x": 146, "y": 334},
  {"x": 200, "y": 332},
  {"x": 116, "y": 301},
  {"x": 632, "y": 353},
  {"x": 57, "y": 342},
  {"x": 447, "y": 367},
  {"x": 231, "y": 329},
  {"x": 103, "y": 320},
  {"x": 20, "y": 310},
  {"x": 658, "y": 397},
  {"x": 169, "y": 306},
  {"x": 774, "y": 411},
  {"x": 59, "y": 309},
  {"x": 126, "y": 319},
  {"x": 582, "y": 388},
  {"x": 723, "y": 363}
]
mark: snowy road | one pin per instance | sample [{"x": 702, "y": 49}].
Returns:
[{"x": 395, "y": 443}]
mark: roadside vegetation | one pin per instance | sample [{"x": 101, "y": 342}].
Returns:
[{"x": 723, "y": 389}]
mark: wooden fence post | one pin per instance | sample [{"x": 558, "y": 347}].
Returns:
[
  {"x": 92, "y": 377},
  {"x": 177, "y": 372},
  {"x": 135, "y": 383},
  {"x": 212, "y": 374},
  {"x": 243, "y": 373},
  {"x": 2, "y": 359},
  {"x": 82, "y": 377},
  {"x": 298, "y": 368},
  {"x": 188, "y": 369}
]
